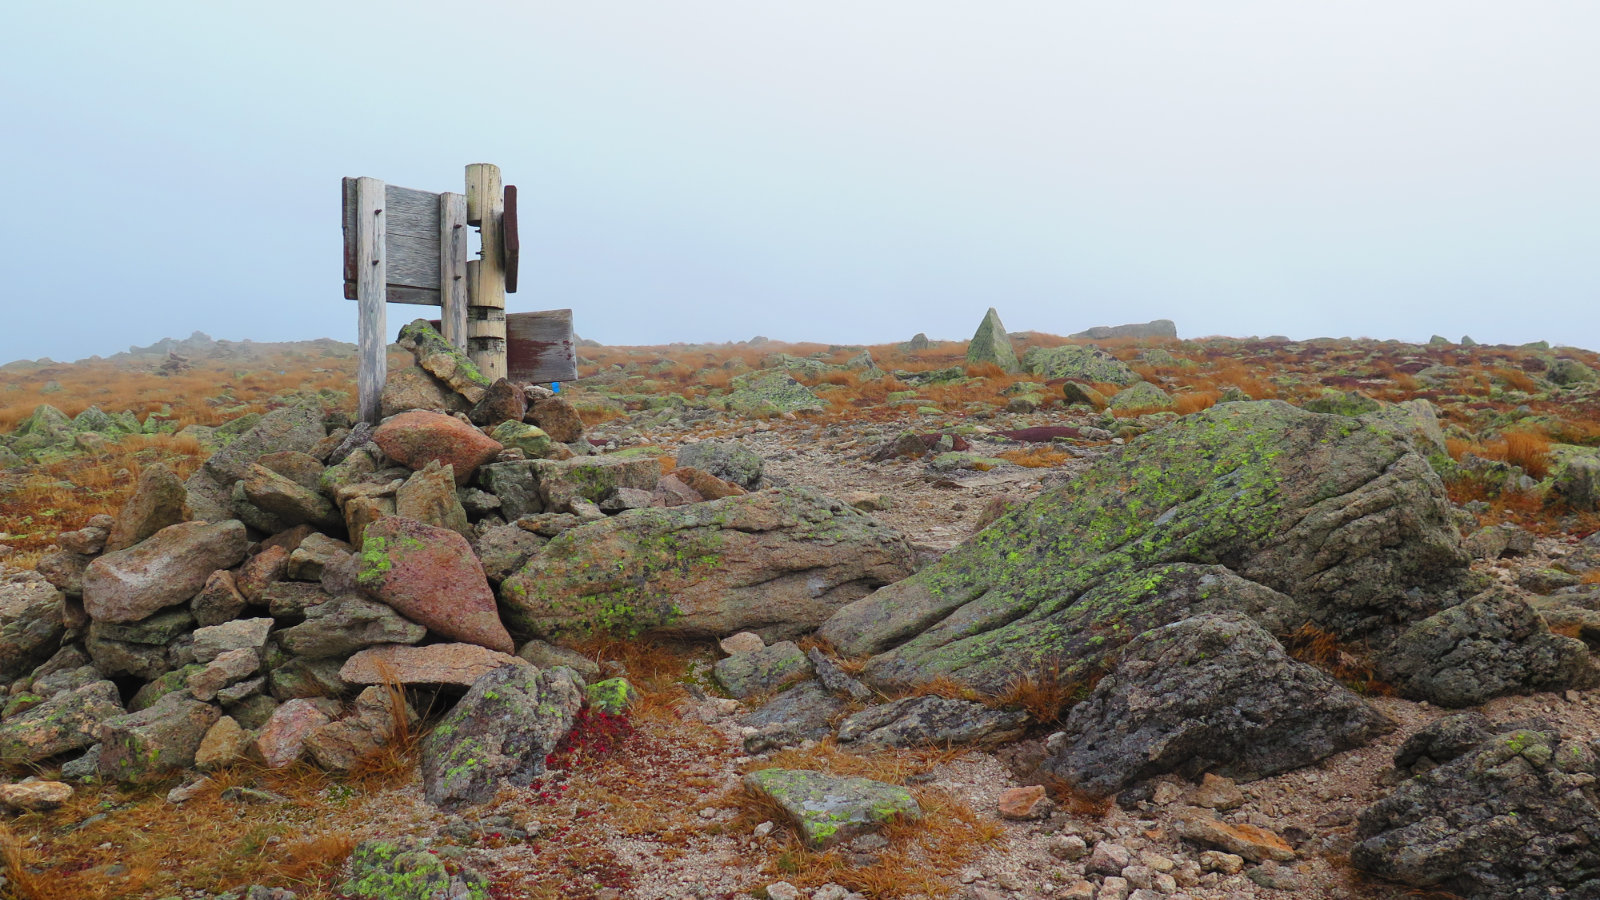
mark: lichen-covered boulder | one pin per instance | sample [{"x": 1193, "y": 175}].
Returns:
[
  {"x": 429, "y": 497},
  {"x": 386, "y": 870},
  {"x": 775, "y": 562},
  {"x": 769, "y": 393},
  {"x": 211, "y": 486},
  {"x": 990, "y": 344},
  {"x": 430, "y": 576},
  {"x": 499, "y": 733},
  {"x": 1212, "y": 692},
  {"x": 1511, "y": 816},
  {"x": 347, "y": 625},
  {"x": 728, "y": 460},
  {"x": 1142, "y": 396},
  {"x": 169, "y": 567},
  {"x": 762, "y": 671},
  {"x": 827, "y": 809},
  {"x": 438, "y": 358},
  {"x": 1575, "y": 476},
  {"x": 592, "y": 478},
  {"x": 288, "y": 501},
  {"x": 1493, "y": 644},
  {"x": 1078, "y": 362},
  {"x": 65, "y": 722},
  {"x": 1345, "y": 517},
  {"x": 417, "y": 438},
  {"x": 530, "y": 439},
  {"x": 153, "y": 743}
]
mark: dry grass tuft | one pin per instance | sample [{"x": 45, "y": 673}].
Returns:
[
  {"x": 1036, "y": 458},
  {"x": 1322, "y": 648}
]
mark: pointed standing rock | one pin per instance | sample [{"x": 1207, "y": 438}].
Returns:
[{"x": 991, "y": 344}]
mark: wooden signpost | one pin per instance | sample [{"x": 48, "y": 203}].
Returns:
[{"x": 408, "y": 246}]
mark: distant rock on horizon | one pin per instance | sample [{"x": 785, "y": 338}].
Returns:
[{"x": 1156, "y": 328}]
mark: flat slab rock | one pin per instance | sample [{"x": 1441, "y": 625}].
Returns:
[
  {"x": 460, "y": 664},
  {"x": 827, "y": 809},
  {"x": 932, "y": 721}
]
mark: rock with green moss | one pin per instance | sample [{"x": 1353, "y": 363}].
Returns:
[
  {"x": 68, "y": 721},
  {"x": 1495, "y": 812},
  {"x": 1143, "y": 396},
  {"x": 1081, "y": 362},
  {"x": 1567, "y": 371},
  {"x": 153, "y": 743},
  {"x": 386, "y": 870},
  {"x": 1077, "y": 392},
  {"x": 499, "y": 733},
  {"x": 762, "y": 671},
  {"x": 612, "y": 696},
  {"x": 991, "y": 345},
  {"x": 593, "y": 478},
  {"x": 770, "y": 392},
  {"x": 1575, "y": 476},
  {"x": 729, "y": 460},
  {"x": 827, "y": 809},
  {"x": 777, "y": 562},
  {"x": 530, "y": 439},
  {"x": 430, "y": 576},
  {"x": 1342, "y": 403},
  {"x": 1234, "y": 507},
  {"x": 438, "y": 358}
]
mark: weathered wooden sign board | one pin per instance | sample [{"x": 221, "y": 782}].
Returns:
[
  {"x": 403, "y": 245},
  {"x": 539, "y": 347}
]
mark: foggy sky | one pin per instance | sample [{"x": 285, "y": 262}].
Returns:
[{"x": 831, "y": 171}]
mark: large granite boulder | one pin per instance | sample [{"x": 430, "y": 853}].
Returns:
[
  {"x": 1497, "y": 813},
  {"x": 159, "y": 500},
  {"x": 1213, "y": 692},
  {"x": 418, "y": 437},
  {"x": 1344, "y": 516},
  {"x": 31, "y": 625},
  {"x": 776, "y": 562},
  {"x": 169, "y": 567},
  {"x": 153, "y": 743},
  {"x": 499, "y": 733},
  {"x": 68, "y": 721},
  {"x": 430, "y": 576},
  {"x": 211, "y": 486}
]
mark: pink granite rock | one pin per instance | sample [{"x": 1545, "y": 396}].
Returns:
[
  {"x": 430, "y": 576},
  {"x": 434, "y": 664},
  {"x": 416, "y": 438},
  {"x": 283, "y": 739},
  {"x": 169, "y": 567}
]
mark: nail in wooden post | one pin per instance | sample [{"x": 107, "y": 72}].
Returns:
[
  {"x": 486, "y": 318},
  {"x": 453, "y": 269},
  {"x": 371, "y": 286}
]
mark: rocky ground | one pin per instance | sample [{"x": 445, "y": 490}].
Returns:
[{"x": 1021, "y": 617}]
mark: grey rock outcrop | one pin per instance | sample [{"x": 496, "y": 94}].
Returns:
[
  {"x": 1344, "y": 516},
  {"x": 500, "y": 732},
  {"x": 1213, "y": 692}
]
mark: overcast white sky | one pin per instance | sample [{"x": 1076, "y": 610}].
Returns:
[{"x": 821, "y": 170}]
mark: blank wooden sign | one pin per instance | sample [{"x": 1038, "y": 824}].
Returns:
[
  {"x": 539, "y": 347},
  {"x": 415, "y": 234}
]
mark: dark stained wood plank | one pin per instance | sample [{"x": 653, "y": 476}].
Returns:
[
  {"x": 539, "y": 347},
  {"x": 510, "y": 238}
]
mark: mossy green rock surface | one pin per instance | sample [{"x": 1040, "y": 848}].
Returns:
[
  {"x": 1083, "y": 362},
  {"x": 530, "y": 439},
  {"x": 613, "y": 696},
  {"x": 827, "y": 809},
  {"x": 770, "y": 393},
  {"x": 385, "y": 870},
  {"x": 777, "y": 562},
  {"x": 500, "y": 732},
  {"x": 762, "y": 671},
  {"x": 1143, "y": 395},
  {"x": 1238, "y": 507}
]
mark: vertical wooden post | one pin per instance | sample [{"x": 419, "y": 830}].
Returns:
[
  {"x": 486, "y": 317},
  {"x": 371, "y": 290},
  {"x": 453, "y": 269}
]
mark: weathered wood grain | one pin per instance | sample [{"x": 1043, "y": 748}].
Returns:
[
  {"x": 414, "y": 241},
  {"x": 486, "y": 333},
  {"x": 370, "y": 230},
  {"x": 540, "y": 348},
  {"x": 453, "y": 268}
]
